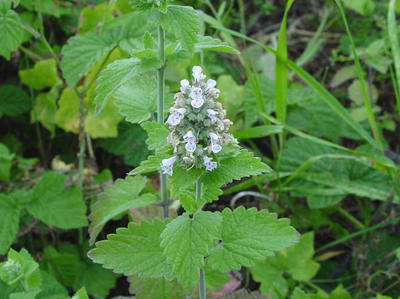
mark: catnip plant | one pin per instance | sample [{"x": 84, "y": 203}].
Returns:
[{"x": 195, "y": 156}]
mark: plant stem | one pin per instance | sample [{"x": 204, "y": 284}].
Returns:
[
  {"x": 160, "y": 111},
  {"x": 202, "y": 279},
  {"x": 351, "y": 218}
]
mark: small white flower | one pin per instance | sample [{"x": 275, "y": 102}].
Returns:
[
  {"x": 212, "y": 115},
  {"x": 197, "y": 73},
  {"x": 211, "y": 84},
  {"x": 189, "y": 137},
  {"x": 184, "y": 85},
  {"x": 196, "y": 93},
  {"x": 167, "y": 165},
  {"x": 214, "y": 137},
  {"x": 190, "y": 147},
  {"x": 216, "y": 148},
  {"x": 197, "y": 103},
  {"x": 176, "y": 116},
  {"x": 209, "y": 164}
]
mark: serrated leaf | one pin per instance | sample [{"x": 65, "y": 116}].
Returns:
[
  {"x": 187, "y": 241},
  {"x": 183, "y": 22},
  {"x": 152, "y": 164},
  {"x": 249, "y": 236},
  {"x": 118, "y": 73},
  {"x": 5, "y": 163},
  {"x": 80, "y": 53},
  {"x": 42, "y": 75},
  {"x": 136, "y": 100},
  {"x": 67, "y": 114},
  {"x": 44, "y": 111},
  {"x": 157, "y": 133},
  {"x": 9, "y": 222},
  {"x": 50, "y": 288},
  {"x": 208, "y": 43},
  {"x": 150, "y": 288},
  {"x": 55, "y": 205},
  {"x": 118, "y": 198},
  {"x": 134, "y": 250},
  {"x": 81, "y": 294},
  {"x": 13, "y": 100},
  {"x": 11, "y": 32},
  {"x": 21, "y": 267}
]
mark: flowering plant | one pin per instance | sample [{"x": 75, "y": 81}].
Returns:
[{"x": 198, "y": 125}]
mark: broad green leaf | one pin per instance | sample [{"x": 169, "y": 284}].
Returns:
[
  {"x": 11, "y": 32},
  {"x": 150, "y": 288},
  {"x": 13, "y": 100},
  {"x": 134, "y": 250},
  {"x": 342, "y": 75},
  {"x": 67, "y": 114},
  {"x": 187, "y": 241},
  {"x": 130, "y": 143},
  {"x": 50, "y": 7},
  {"x": 300, "y": 264},
  {"x": 118, "y": 73},
  {"x": 299, "y": 294},
  {"x": 249, "y": 236},
  {"x": 62, "y": 265},
  {"x": 232, "y": 95},
  {"x": 363, "y": 7},
  {"x": 183, "y": 22},
  {"x": 21, "y": 267},
  {"x": 215, "y": 279},
  {"x": 9, "y": 221},
  {"x": 42, "y": 75},
  {"x": 44, "y": 111},
  {"x": 152, "y": 164},
  {"x": 5, "y": 162},
  {"x": 208, "y": 43},
  {"x": 118, "y": 198},
  {"x": 157, "y": 135},
  {"x": 55, "y": 205},
  {"x": 136, "y": 100},
  {"x": 51, "y": 288},
  {"x": 92, "y": 16},
  {"x": 80, "y": 53},
  {"x": 81, "y": 294}
]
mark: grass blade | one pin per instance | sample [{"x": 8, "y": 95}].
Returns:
[{"x": 366, "y": 96}]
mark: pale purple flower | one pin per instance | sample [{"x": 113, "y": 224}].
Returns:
[
  {"x": 197, "y": 73},
  {"x": 184, "y": 85},
  {"x": 212, "y": 115},
  {"x": 167, "y": 165},
  {"x": 176, "y": 116},
  {"x": 209, "y": 164},
  {"x": 214, "y": 137},
  {"x": 189, "y": 137},
  {"x": 197, "y": 96},
  {"x": 211, "y": 84},
  {"x": 190, "y": 147},
  {"x": 216, "y": 148}
]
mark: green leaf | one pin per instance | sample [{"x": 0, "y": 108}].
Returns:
[
  {"x": 42, "y": 75},
  {"x": 67, "y": 114},
  {"x": 183, "y": 22},
  {"x": 93, "y": 15},
  {"x": 81, "y": 294},
  {"x": 232, "y": 95},
  {"x": 150, "y": 288},
  {"x": 54, "y": 205},
  {"x": 249, "y": 236},
  {"x": 208, "y": 43},
  {"x": 137, "y": 99},
  {"x": 118, "y": 198},
  {"x": 152, "y": 164},
  {"x": 300, "y": 264},
  {"x": 81, "y": 53},
  {"x": 130, "y": 143},
  {"x": 258, "y": 132},
  {"x": 134, "y": 250},
  {"x": 118, "y": 73},
  {"x": 50, "y": 288},
  {"x": 11, "y": 32},
  {"x": 5, "y": 162},
  {"x": 21, "y": 267},
  {"x": 44, "y": 111},
  {"x": 9, "y": 222},
  {"x": 157, "y": 133},
  {"x": 13, "y": 100},
  {"x": 187, "y": 241}
]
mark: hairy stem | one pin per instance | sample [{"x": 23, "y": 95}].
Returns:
[
  {"x": 202, "y": 279},
  {"x": 160, "y": 111}
]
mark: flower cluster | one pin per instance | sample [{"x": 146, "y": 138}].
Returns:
[{"x": 198, "y": 125}]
